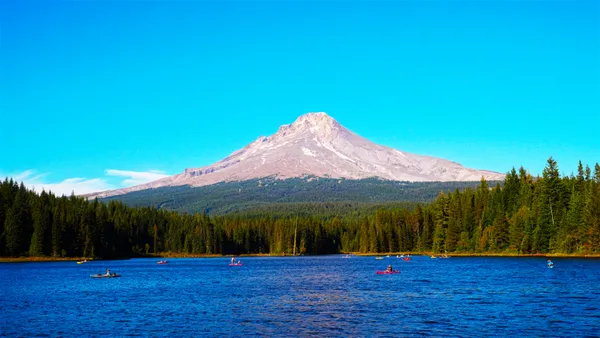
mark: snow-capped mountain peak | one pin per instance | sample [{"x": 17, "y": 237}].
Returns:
[{"x": 316, "y": 144}]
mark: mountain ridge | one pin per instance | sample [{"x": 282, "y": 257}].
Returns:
[{"x": 317, "y": 145}]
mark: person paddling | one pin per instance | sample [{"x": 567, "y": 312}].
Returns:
[
  {"x": 107, "y": 272},
  {"x": 389, "y": 269}
]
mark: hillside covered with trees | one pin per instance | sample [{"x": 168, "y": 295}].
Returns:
[
  {"x": 547, "y": 214},
  {"x": 239, "y": 196}
]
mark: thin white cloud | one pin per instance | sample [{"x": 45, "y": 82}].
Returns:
[
  {"x": 136, "y": 177},
  {"x": 81, "y": 186},
  {"x": 75, "y": 185}
]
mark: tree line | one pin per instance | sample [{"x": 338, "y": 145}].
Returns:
[
  {"x": 526, "y": 215},
  {"x": 250, "y": 195}
]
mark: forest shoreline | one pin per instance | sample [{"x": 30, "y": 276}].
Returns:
[{"x": 184, "y": 255}]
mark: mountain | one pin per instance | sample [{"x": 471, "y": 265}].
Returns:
[{"x": 317, "y": 145}]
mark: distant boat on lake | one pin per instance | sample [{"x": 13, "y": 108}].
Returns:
[{"x": 100, "y": 275}]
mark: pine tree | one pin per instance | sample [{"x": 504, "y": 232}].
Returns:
[
  {"x": 12, "y": 231},
  {"x": 426, "y": 240},
  {"x": 58, "y": 221},
  {"x": 572, "y": 232},
  {"x": 89, "y": 230},
  {"x": 364, "y": 235},
  {"x": 499, "y": 232},
  {"x": 592, "y": 213},
  {"x": 511, "y": 191},
  {"x": 103, "y": 232},
  {"x": 36, "y": 248},
  {"x": 373, "y": 238},
  {"x": 454, "y": 222},
  {"x": 441, "y": 223},
  {"x": 17, "y": 225},
  {"x": 550, "y": 198},
  {"x": 517, "y": 224},
  {"x": 42, "y": 226}
]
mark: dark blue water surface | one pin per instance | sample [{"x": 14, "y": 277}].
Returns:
[{"x": 302, "y": 296}]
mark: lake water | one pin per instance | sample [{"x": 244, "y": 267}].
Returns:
[{"x": 303, "y": 296}]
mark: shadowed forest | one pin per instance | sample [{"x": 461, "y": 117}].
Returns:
[{"x": 524, "y": 215}]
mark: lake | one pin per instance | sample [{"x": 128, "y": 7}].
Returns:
[{"x": 303, "y": 296}]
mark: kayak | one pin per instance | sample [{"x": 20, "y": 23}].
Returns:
[
  {"x": 406, "y": 259},
  {"x": 80, "y": 262},
  {"x": 99, "y": 275},
  {"x": 161, "y": 262},
  {"x": 236, "y": 264},
  {"x": 388, "y": 272}
]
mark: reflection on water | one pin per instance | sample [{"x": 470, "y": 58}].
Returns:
[{"x": 303, "y": 296}]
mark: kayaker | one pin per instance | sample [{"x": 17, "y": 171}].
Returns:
[
  {"x": 550, "y": 264},
  {"x": 389, "y": 269},
  {"x": 232, "y": 260},
  {"x": 108, "y": 272}
]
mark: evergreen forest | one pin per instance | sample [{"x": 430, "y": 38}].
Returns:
[
  {"x": 524, "y": 215},
  {"x": 239, "y": 196}
]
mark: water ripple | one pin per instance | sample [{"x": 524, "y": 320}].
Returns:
[{"x": 307, "y": 296}]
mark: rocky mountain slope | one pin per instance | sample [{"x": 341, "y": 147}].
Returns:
[{"x": 317, "y": 145}]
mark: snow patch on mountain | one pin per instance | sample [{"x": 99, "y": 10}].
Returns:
[{"x": 307, "y": 152}]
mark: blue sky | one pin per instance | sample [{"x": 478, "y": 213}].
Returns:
[{"x": 103, "y": 94}]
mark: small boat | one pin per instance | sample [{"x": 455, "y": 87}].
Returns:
[
  {"x": 433, "y": 257},
  {"x": 378, "y": 257},
  {"x": 161, "y": 262},
  {"x": 393, "y": 272},
  {"x": 346, "y": 256},
  {"x": 406, "y": 259},
  {"x": 102, "y": 275},
  {"x": 81, "y": 262},
  {"x": 235, "y": 264}
]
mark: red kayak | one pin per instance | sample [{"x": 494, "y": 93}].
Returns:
[
  {"x": 388, "y": 272},
  {"x": 406, "y": 259},
  {"x": 236, "y": 264}
]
